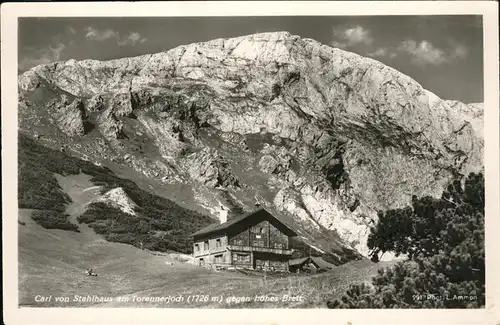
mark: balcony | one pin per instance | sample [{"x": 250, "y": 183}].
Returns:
[
  {"x": 213, "y": 250},
  {"x": 259, "y": 249}
]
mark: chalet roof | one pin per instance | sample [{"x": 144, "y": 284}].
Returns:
[
  {"x": 216, "y": 227},
  {"x": 320, "y": 262},
  {"x": 297, "y": 261}
]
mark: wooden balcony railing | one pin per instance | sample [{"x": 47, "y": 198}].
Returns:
[
  {"x": 211, "y": 251},
  {"x": 259, "y": 249}
]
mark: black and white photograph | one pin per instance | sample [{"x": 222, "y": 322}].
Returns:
[{"x": 325, "y": 161}]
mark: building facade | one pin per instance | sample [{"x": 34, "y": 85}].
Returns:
[{"x": 254, "y": 241}]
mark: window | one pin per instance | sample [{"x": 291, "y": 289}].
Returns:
[
  {"x": 257, "y": 230},
  {"x": 196, "y": 247},
  {"x": 262, "y": 264},
  {"x": 218, "y": 243},
  {"x": 258, "y": 243},
  {"x": 205, "y": 245},
  {"x": 202, "y": 262},
  {"x": 239, "y": 242}
]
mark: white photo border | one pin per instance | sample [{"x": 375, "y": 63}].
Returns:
[{"x": 10, "y": 12}]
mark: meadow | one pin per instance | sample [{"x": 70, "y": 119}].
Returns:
[
  {"x": 52, "y": 263},
  {"x": 55, "y": 249}
]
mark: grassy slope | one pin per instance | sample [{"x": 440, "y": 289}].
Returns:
[
  {"x": 52, "y": 262},
  {"x": 315, "y": 290},
  {"x": 39, "y": 189}
]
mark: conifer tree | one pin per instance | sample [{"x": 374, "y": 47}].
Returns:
[{"x": 444, "y": 242}]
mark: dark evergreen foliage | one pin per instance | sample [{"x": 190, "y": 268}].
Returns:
[
  {"x": 160, "y": 224},
  {"x": 53, "y": 220},
  {"x": 444, "y": 241}
]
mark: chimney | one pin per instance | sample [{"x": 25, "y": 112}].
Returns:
[{"x": 223, "y": 214}]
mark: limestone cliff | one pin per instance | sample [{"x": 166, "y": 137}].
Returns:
[
  {"x": 317, "y": 134},
  {"x": 119, "y": 199}
]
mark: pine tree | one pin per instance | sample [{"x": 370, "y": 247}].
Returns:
[{"x": 444, "y": 241}]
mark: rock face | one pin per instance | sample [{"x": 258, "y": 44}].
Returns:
[
  {"x": 118, "y": 198},
  {"x": 210, "y": 169},
  {"x": 69, "y": 115},
  {"x": 109, "y": 125},
  {"x": 321, "y": 135}
]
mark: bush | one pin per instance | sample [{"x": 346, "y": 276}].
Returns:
[
  {"x": 53, "y": 220},
  {"x": 122, "y": 227},
  {"x": 444, "y": 241},
  {"x": 39, "y": 189},
  {"x": 154, "y": 214}
]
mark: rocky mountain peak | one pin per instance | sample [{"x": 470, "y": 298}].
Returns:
[{"x": 323, "y": 136}]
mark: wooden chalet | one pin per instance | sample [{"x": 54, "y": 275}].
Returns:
[
  {"x": 310, "y": 264},
  {"x": 256, "y": 240}
]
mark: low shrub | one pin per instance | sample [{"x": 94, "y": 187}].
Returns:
[
  {"x": 144, "y": 228},
  {"x": 53, "y": 220},
  {"x": 444, "y": 241},
  {"x": 39, "y": 189}
]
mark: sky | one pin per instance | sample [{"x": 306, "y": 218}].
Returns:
[{"x": 443, "y": 53}]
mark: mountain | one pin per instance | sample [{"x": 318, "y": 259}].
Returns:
[
  {"x": 321, "y": 137},
  {"x": 118, "y": 198}
]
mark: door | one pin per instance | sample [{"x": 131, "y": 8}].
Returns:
[
  {"x": 261, "y": 261},
  {"x": 218, "y": 259}
]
